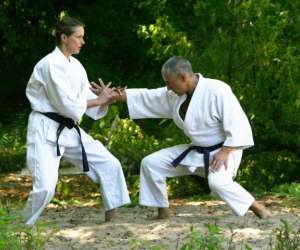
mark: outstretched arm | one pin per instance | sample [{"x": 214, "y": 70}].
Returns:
[{"x": 142, "y": 103}]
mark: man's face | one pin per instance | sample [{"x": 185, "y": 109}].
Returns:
[
  {"x": 176, "y": 84},
  {"x": 75, "y": 41}
]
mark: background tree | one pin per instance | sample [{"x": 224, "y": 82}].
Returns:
[{"x": 252, "y": 45}]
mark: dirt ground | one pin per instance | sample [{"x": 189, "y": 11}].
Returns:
[{"x": 82, "y": 226}]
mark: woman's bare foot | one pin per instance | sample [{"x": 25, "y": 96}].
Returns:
[
  {"x": 110, "y": 214},
  {"x": 259, "y": 210}
]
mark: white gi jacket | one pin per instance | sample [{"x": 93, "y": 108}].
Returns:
[
  {"x": 214, "y": 115},
  {"x": 60, "y": 85}
]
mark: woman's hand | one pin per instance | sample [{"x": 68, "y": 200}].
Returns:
[{"x": 107, "y": 95}]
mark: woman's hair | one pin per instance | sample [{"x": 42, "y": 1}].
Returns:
[{"x": 66, "y": 26}]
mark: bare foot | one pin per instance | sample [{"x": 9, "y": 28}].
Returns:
[
  {"x": 110, "y": 214},
  {"x": 163, "y": 213},
  {"x": 260, "y": 211}
]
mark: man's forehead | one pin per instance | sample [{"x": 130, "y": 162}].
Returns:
[{"x": 169, "y": 77}]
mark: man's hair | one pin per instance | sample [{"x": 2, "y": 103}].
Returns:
[
  {"x": 175, "y": 66},
  {"x": 67, "y": 26}
]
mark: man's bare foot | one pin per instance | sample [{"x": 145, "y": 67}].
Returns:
[
  {"x": 260, "y": 211},
  {"x": 110, "y": 214}
]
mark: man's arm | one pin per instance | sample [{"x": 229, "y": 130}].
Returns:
[
  {"x": 221, "y": 158},
  {"x": 236, "y": 128},
  {"x": 142, "y": 103}
]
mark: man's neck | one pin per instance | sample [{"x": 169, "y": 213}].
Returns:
[{"x": 194, "y": 81}]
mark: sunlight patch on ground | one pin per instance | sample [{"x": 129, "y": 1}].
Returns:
[
  {"x": 249, "y": 233},
  {"x": 205, "y": 203},
  {"x": 77, "y": 233}
]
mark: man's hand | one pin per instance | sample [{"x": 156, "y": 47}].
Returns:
[{"x": 221, "y": 158}]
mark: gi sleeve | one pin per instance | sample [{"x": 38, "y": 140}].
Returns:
[
  {"x": 148, "y": 103},
  {"x": 64, "y": 101},
  {"x": 236, "y": 126}
]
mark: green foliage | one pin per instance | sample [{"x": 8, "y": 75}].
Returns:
[
  {"x": 130, "y": 143},
  {"x": 290, "y": 194},
  {"x": 14, "y": 235},
  {"x": 287, "y": 237},
  {"x": 12, "y": 144},
  {"x": 212, "y": 240},
  {"x": 284, "y": 237},
  {"x": 186, "y": 186},
  {"x": 136, "y": 244},
  {"x": 292, "y": 190},
  {"x": 263, "y": 171},
  {"x": 166, "y": 40},
  {"x": 251, "y": 45}
]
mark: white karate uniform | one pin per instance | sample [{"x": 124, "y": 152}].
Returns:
[
  {"x": 214, "y": 115},
  {"x": 60, "y": 85}
]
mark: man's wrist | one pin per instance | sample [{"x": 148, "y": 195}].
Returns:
[{"x": 227, "y": 149}]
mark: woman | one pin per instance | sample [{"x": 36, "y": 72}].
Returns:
[{"x": 59, "y": 94}]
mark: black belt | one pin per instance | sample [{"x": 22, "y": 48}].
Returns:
[
  {"x": 202, "y": 150},
  {"x": 69, "y": 123}
]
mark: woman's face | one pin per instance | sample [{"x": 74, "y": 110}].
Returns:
[{"x": 74, "y": 42}]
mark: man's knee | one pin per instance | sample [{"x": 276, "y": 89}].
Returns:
[{"x": 217, "y": 181}]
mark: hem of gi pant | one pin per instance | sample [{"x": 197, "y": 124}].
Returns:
[
  {"x": 149, "y": 204},
  {"x": 32, "y": 220},
  {"x": 30, "y": 224},
  {"x": 117, "y": 206},
  {"x": 245, "y": 210}
]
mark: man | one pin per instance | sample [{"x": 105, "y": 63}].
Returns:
[
  {"x": 59, "y": 94},
  {"x": 211, "y": 116}
]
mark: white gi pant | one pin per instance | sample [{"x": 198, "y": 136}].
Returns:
[
  {"x": 43, "y": 162},
  {"x": 156, "y": 167}
]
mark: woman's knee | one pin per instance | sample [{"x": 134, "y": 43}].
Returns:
[
  {"x": 148, "y": 163},
  {"x": 43, "y": 195},
  {"x": 115, "y": 164}
]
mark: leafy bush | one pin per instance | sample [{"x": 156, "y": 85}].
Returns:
[
  {"x": 211, "y": 240},
  {"x": 14, "y": 235},
  {"x": 12, "y": 144},
  {"x": 287, "y": 237},
  {"x": 263, "y": 171},
  {"x": 185, "y": 186},
  {"x": 131, "y": 142}
]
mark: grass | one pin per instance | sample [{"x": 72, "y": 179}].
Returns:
[
  {"x": 284, "y": 237},
  {"x": 15, "y": 235}
]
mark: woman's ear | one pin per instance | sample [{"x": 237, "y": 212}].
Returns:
[{"x": 63, "y": 37}]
